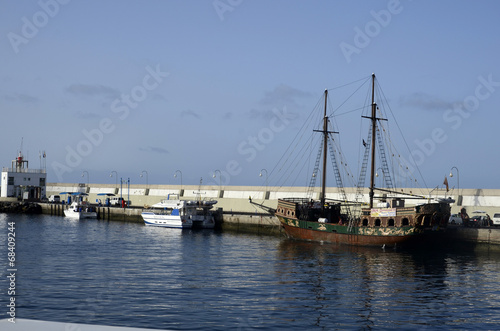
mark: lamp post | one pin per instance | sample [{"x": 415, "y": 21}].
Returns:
[
  {"x": 144, "y": 171},
  {"x": 220, "y": 175},
  {"x": 458, "y": 177},
  {"x": 260, "y": 175},
  {"x": 175, "y": 175},
  {"x": 88, "y": 180},
  {"x": 383, "y": 175},
  {"x": 116, "y": 176},
  {"x": 128, "y": 189}
]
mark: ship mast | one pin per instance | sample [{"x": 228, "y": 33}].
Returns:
[
  {"x": 325, "y": 133},
  {"x": 374, "y": 120},
  {"x": 325, "y": 146},
  {"x": 374, "y": 128}
]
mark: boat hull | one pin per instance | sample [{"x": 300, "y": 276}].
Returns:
[
  {"x": 170, "y": 221},
  {"x": 166, "y": 221},
  {"x": 180, "y": 214},
  {"x": 399, "y": 237},
  {"x": 423, "y": 225},
  {"x": 79, "y": 214}
]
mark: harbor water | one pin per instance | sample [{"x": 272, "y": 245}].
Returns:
[{"x": 127, "y": 274}]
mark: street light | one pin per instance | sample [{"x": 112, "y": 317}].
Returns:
[
  {"x": 116, "y": 176},
  {"x": 220, "y": 175},
  {"x": 128, "y": 189},
  {"x": 175, "y": 175},
  {"x": 458, "y": 177},
  {"x": 86, "y": 172},
  {"x": 144, "y": 171},
  {"x": 383, "y": 175},
  {"x": 260, "y": 175}
]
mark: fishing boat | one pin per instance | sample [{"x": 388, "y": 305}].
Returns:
[
  {"x": 389, "y": 223},
  {"x": 80, "y": 210},
  {"x": 77, "y": 207},
  {"x": 182, "y": 214}
]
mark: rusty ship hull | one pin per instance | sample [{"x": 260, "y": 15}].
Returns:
[{"x": 407, "y": 226}]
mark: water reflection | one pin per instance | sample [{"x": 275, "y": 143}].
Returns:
[
  {"x": 128, "y": 274},
  {"x": 387, "y": 288}
]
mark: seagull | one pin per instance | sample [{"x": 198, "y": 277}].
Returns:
[{"x": 383, "y": 246}]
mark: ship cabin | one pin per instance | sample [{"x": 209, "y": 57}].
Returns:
[
  {"x": 308, "y": 209},
  {"x": 388, "y": 214}
]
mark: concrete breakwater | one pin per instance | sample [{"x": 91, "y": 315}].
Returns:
[
  {"x": 255, "y": 200},
  {"x": 242, "y": 208},
  {"x": 241, "y": 222},
  {"x": 103, "y": 212},
  {"x": 249, "y": 208},
  {"x": 482, "y": 235}
]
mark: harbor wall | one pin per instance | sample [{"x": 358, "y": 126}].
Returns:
[
  {"x": 250, "y": 204},
  {"x": 246, "y": 208},
  {"x": 482, "y": 235},
  {"x": 103, "y": 212},
  {"x": 237, "y": 198}
]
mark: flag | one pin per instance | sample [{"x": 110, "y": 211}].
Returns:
[
  {"x": 446, "y": 183},
  {"x": 364, "y": 143}
]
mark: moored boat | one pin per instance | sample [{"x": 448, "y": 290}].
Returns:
[
  {"x": 80, "y": 210},
  {"x": 377, "y": 227},
  {"x": 182, "y": 214},
  {"x": 391, "y": 223}
]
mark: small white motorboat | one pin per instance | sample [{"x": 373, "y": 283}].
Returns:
[
  {"x": 80, "y": 210},
  {"x": 180, "y": 214}
]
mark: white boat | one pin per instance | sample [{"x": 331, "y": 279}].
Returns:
[
  {"x": 80, "y": 210},
  {"x": 182, "y": 214}
]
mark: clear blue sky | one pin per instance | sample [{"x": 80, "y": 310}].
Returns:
[{"x": 160, "y": 86}]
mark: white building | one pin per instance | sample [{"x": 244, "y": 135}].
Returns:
[{"x": 21, "y": 182}]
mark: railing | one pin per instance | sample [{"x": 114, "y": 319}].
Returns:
[{"x": 24, "y": 170}]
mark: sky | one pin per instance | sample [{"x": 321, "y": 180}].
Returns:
[{"x": 197, "y": 88}]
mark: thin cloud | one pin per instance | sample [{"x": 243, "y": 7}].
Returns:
[
  {"x": 259, "y": 114},
  {"x": 92, "y": 90},
  {"x": 426, "y": 102},
  {"x": 154, "y": 149},
  {"x": 87, "y": 115},
  {"x": 283, "y": 95},
  {"x": 190, "y": 113},
  {"x": 157, "y": 96},
  {"x": 22, "y": 98}
]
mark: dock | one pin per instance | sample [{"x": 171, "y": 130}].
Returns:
[
  {"x": 31, "y": 325},
  {"x": 250, "y": 208}
]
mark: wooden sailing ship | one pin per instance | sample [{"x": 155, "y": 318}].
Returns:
[{"x": 391, "y": 224}]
